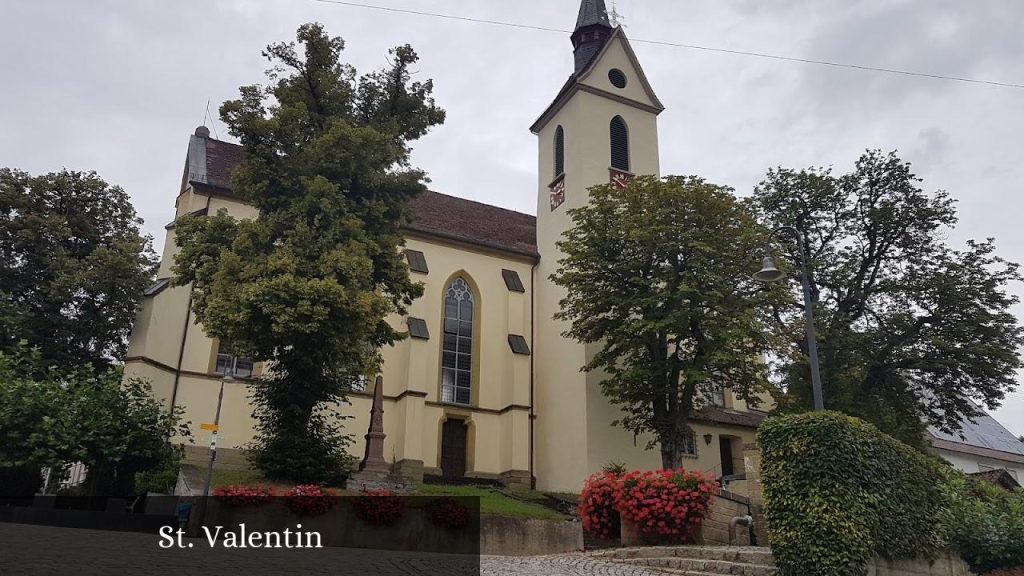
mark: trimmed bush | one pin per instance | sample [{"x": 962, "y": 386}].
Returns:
[{"x": 838, "y": 491}]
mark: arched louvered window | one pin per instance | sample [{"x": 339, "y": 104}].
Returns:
[
  {"x": 559, "y": 151},
  {"x": 457, "y": 347},
  {"x": 620, "y": 144}
]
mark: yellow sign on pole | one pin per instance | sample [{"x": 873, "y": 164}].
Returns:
[{"x": 213, "y": 427}]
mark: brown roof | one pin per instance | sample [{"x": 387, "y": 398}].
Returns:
[
  {"x": 221, "y": 160},
  {"x": 464, "y": 220},
  {"x": 718, "y": 415},
  {"x": 434, "y": 214}
]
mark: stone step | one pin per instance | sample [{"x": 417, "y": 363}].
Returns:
[
  {"x": 682, "y": 565},
  {"x": 741, "y": 554}
]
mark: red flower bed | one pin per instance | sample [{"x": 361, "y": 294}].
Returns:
[
  {"x": 244, "y": 495},
  {"x": 598, "y": 505},
  {"x": 665, "y": 505},
  {"x": 310, "y": 500},
  {"x": 379, "y": 507},
  {"x": 446, "y": 513}
]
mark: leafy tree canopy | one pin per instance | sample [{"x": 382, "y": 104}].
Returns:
[
  {"x": 306, "y": 286},
  {"x": 116, "y": 428},
  {"x": 73, "y": 266},
  {"x": 658, "y": 278},
  {"x": 910, "y": 330}
]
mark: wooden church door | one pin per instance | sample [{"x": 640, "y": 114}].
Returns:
[{"x": 453, "y": 449}]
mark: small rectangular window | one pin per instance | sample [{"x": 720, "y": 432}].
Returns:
[
  {"x": 418, "y": 328},
  {"x": 718, "y": 396},
  {"x": 417, "y": 261},
  {"x": 157, "y": 287},
  {"x": 229, "y": 364},
  {"x": 512, "y": 281},
  {"x": 518, "y": 344},
  {"x": 690, "y": 444},
  {"x": 358, "y": 383}
]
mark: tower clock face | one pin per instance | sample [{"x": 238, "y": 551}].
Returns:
[
  {"x": 557, "y": 194},
  {"x": 619, "y": 179}
]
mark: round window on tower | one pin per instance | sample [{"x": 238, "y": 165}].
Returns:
[{"x": 617, "y": 78}]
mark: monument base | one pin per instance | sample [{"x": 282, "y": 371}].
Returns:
[{"x": 366, "y": 480}]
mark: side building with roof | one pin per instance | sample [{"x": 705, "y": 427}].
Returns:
[
  {"x": 981, "y": 447},
  {"x": 486, "y": 387}
]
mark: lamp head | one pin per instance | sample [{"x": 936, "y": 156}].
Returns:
[{"x": 768, "y": 271}]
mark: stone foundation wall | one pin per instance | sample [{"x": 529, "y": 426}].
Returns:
[
  {"x": 944, "y": 565},
  {"x": 504, "y": 536},
  {"x": 715, "y": 528}
]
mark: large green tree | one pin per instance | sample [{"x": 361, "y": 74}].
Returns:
[
  {"x": 910, "y": 330},
  {"x": 658, "y": 279},
  {"x": 73, "y": 266},
  {"x": 306, "y": 286}
]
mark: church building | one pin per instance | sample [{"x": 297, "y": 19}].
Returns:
[{"x": 485, "y": 387}]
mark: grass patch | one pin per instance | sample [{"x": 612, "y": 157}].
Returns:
[
  {"x": 517, "y": 503},
  {"x": 236, "y": 477},
  {"x": 493, "y": 502}
]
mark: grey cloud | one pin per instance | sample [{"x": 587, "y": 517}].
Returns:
[{"x": 118, "y": 86}]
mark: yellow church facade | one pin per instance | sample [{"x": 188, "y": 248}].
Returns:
[{"x": 485, "y": 387}]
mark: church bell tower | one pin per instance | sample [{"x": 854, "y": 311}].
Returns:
[{"x": 600, "y": 128}]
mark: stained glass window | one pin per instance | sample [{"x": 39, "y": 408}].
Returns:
[{"x": 457, "y": 348}]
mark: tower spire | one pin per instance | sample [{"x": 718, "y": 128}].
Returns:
[
  {"x": 592, "y": 12},
  {"x": 592, "y": 30}
]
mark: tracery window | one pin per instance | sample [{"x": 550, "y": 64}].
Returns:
[{"x": 457, "y": 346}]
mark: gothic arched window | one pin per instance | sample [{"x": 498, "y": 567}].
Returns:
[
  {"x": 620, "y": 144},
  {"x": 559, "y": 151},
  {"x": 457, "y": 347}
]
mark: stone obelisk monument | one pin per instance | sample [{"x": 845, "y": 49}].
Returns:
[
  {"x": 374, "y": 471},
  {"x": 373, "y": 456}
]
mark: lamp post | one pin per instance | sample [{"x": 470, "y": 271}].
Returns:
[
  {"x": 769, "y": 273},
  {"x": 227, "y": 378}
]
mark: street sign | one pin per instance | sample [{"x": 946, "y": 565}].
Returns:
[{"x": 213, "y": 427}]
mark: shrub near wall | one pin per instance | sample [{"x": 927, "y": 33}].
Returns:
[
  {"x": 988, "y": 525},
  {"x": 837, "y": 491}
]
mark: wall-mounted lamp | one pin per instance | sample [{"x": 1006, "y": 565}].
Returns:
[{"x": 707, "y": 439}]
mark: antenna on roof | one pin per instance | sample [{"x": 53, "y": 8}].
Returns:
[
  {"x": 207, "y": 116},
  {"x": 614, "y": 16}
]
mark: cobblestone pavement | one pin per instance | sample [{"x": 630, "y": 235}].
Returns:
[{"x": 28, "y": 550}]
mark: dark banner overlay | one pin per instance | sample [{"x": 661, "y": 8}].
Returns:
[{"x": 246, "y": 535}]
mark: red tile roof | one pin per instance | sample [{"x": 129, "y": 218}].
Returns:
[{"x": 434, "y": 214}]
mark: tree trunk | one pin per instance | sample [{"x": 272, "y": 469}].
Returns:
[{"x": 671, "y": 456}]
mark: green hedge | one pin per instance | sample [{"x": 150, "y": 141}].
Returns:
[
  {"x": 837, "y": 491},
  {"x": 988, "y": 526}
]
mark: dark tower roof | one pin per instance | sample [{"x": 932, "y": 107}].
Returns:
[
  {"x": 592, "y": 30},
  {"x": 592, "y": 12}
]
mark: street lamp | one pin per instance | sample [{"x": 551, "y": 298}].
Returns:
[{"x": 769, "y": 273}]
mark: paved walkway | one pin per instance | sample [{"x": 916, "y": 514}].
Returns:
[{"x": 27, "y": 550}]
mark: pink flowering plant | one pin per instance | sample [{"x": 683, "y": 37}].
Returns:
[
  {"x": 379, "y": 507},
  {"x": 310, "y": 500},
  {"x": 665, "y": 505},
  {"x": 598, "y": 505},
  {"x": 237, "y": 495}
]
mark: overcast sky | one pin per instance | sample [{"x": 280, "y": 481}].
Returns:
[{"x": 118, "y": 86}]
